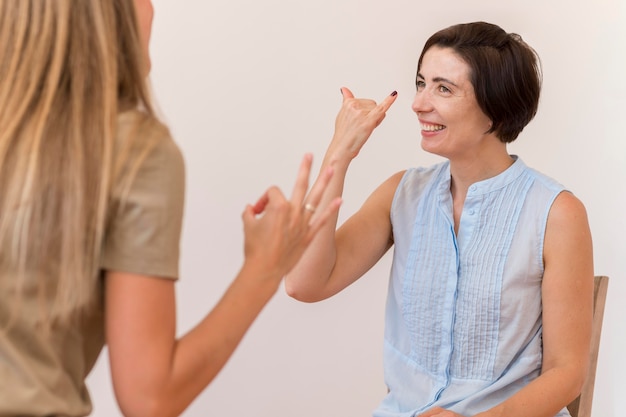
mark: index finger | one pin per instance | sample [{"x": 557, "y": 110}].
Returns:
[
  {"x": 378, "y": 113},
  {"x": 388, "y": 101}
]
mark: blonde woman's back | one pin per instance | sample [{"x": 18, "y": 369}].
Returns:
[
  {"x": 44, "y": 368},
  {"x": 67, "y": 68},
  {"x": 91, "y": 202},
  {"x": 68, "y": 159}
]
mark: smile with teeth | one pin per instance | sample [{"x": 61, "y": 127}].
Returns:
[{"x": 432, "y": 128}]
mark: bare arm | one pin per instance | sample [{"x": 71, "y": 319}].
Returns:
[
  {"x": 356, "y": 246},
  {"x": 156, "y": 374},
  {"x": 336, "y": 259},
  {"x": 567, "y": 296}
]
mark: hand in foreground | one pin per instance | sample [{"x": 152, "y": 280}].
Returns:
[
  {"x": 439, "y": 412},
  {"x": 357, "y": 119},
  {"x": 277, "y": 230}
]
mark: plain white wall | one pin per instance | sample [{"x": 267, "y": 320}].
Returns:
[{"x": 249, "y": 86}]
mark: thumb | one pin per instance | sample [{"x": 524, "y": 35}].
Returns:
[
  {"x": 249, "y": 214},
  {"x": 346, "y": 93}
]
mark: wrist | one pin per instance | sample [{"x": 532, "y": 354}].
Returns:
[
  {"x": 339, "y": 159},
  {"x": 259, "y": 278}
]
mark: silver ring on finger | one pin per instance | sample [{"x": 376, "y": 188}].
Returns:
[{"x": 310, "y": 207}]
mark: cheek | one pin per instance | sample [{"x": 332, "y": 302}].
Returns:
[
  {"x": 145, "y": 14},
  {"x": 483, "y": 122},
  {"x": 473, "y": 119}
]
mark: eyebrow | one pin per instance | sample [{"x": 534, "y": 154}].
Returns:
[{"x": 438, "y": 79}]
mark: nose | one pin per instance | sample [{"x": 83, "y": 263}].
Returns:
[{"x": 421, "y": 102}]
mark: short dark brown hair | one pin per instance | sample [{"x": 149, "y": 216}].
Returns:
[{"x": 504, "y": 71}]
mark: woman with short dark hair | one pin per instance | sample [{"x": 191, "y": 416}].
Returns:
[{"x": 490, "y": 295}]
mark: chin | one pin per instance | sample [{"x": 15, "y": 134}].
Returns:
[
  {"x": 430, "y": 147},
  {"x": 434, "y": 150}
]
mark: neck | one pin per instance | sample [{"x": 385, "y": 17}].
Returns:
[{"x": 478, "y": 167}]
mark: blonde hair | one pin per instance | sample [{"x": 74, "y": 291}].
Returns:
[{"x": 67, "y": 68}]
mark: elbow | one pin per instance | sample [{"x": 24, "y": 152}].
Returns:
[
  {"x": 141, "y": 408},
  {"x": 579, "y": 382},
  {"x": 147, "y": 408},
  {"x": 572, "y": 380},
  {"x": 578, "y": 377},
  {"x": 297, "y": 293},
  {"x": 294, "y": 292},
  {"x": 135, "y": 404},
  {"x": 291, "y": 291}
]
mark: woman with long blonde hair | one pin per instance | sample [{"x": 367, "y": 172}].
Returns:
[{"x": 91, "y": 203}]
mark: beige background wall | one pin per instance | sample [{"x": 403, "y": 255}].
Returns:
[{"x": 249, "y": 86}]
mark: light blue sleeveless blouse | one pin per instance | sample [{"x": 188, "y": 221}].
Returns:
[{"x": 463, "y": 315}]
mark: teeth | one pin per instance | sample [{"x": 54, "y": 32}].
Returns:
[{"x": 433, "y": 128}]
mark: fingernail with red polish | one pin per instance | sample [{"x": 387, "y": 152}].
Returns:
[{"x": 395, "y": 93}]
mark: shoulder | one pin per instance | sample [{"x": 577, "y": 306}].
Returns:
[
  {"x": 138, "y": 132},
  {"x": 403, "y": 184},
  {"x": 420, "y": 176},
  {"x": 146, "y": 154},
  {"x": 564, "y": 208},
  {"x": 411, "y": 184},
  {"x": 382, "y": 197},
  {"x": 567, "y": 211},
  {"x": 394, "y": 181},
  {"x": 544, "y": 182},
  {"x": 387, "y": 190}
]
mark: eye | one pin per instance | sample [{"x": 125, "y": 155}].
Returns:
[
  {"x": 420, "y": 84},
  {"x": 444, "y": 89}
]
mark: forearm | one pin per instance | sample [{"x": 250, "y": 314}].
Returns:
[
  {"x": 543, "y": 397},
  {"x": 198, "y": 356},
  {"x": 309, "y": 279},
  {"x": 314, "y": 277}
]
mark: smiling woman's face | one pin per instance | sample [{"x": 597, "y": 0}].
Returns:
[
  {"x": 446, "y": 106},
  {"x": 145, "y": 13}
]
